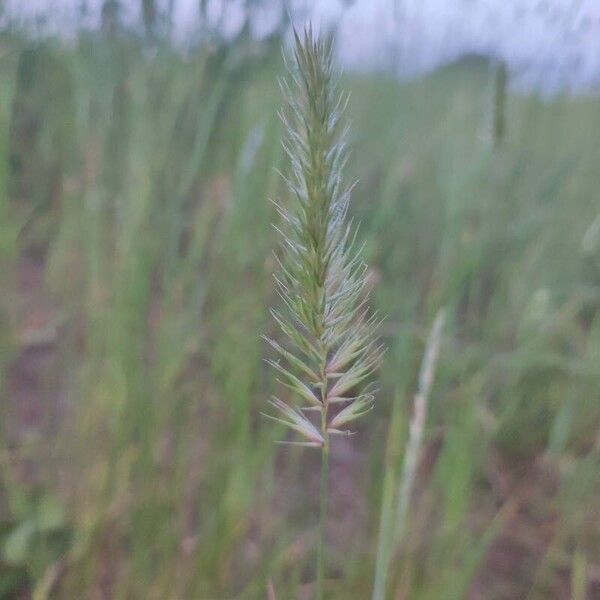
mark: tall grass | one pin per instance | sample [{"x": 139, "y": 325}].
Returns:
[
  {"x": 135, "y": 288},
  {"x": 331, "y": 340}
]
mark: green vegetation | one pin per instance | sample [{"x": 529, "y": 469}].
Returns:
[{"x": 136, "y": 264}]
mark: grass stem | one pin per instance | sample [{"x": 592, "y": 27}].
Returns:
[
  {"x": 331, "y": 341},
  {"x": 392, "y": 526},
  {"x": 324, "y": 499}
]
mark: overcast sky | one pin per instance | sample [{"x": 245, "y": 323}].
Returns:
[{"x": 553, "y": 43}]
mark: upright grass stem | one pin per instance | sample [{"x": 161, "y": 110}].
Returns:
[
  {"x": 393, "y": 523},
  {"x": 324, "y": 483},
  {"x": 330, "y": 345},
  {"x": 417, "y": 423},
  {"x": 324, "y": 499}
]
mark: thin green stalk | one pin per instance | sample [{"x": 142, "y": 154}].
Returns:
[
  {"x": 324, "y": 484},
  {"x": 324, "y": 499},
  {"x": 386, "y": 523},
  {"x": 579, "y": 576}
]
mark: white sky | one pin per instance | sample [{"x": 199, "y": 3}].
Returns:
[{"x": 554, "y": 43}]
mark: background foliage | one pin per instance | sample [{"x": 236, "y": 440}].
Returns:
[{"x": 135, "y": 277}]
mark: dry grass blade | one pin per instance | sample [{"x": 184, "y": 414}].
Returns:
[{"x": 393, "y": 523}]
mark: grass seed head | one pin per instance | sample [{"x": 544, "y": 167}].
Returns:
[{"x": 330, "y": 346}]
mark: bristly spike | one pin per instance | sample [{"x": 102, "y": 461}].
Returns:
[{"x": 328, "y": 346}]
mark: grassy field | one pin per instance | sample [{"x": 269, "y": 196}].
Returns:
[{"x": 135, "y": 282}]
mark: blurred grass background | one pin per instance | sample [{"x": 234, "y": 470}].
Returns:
[{"x": 135, "y": 281}]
